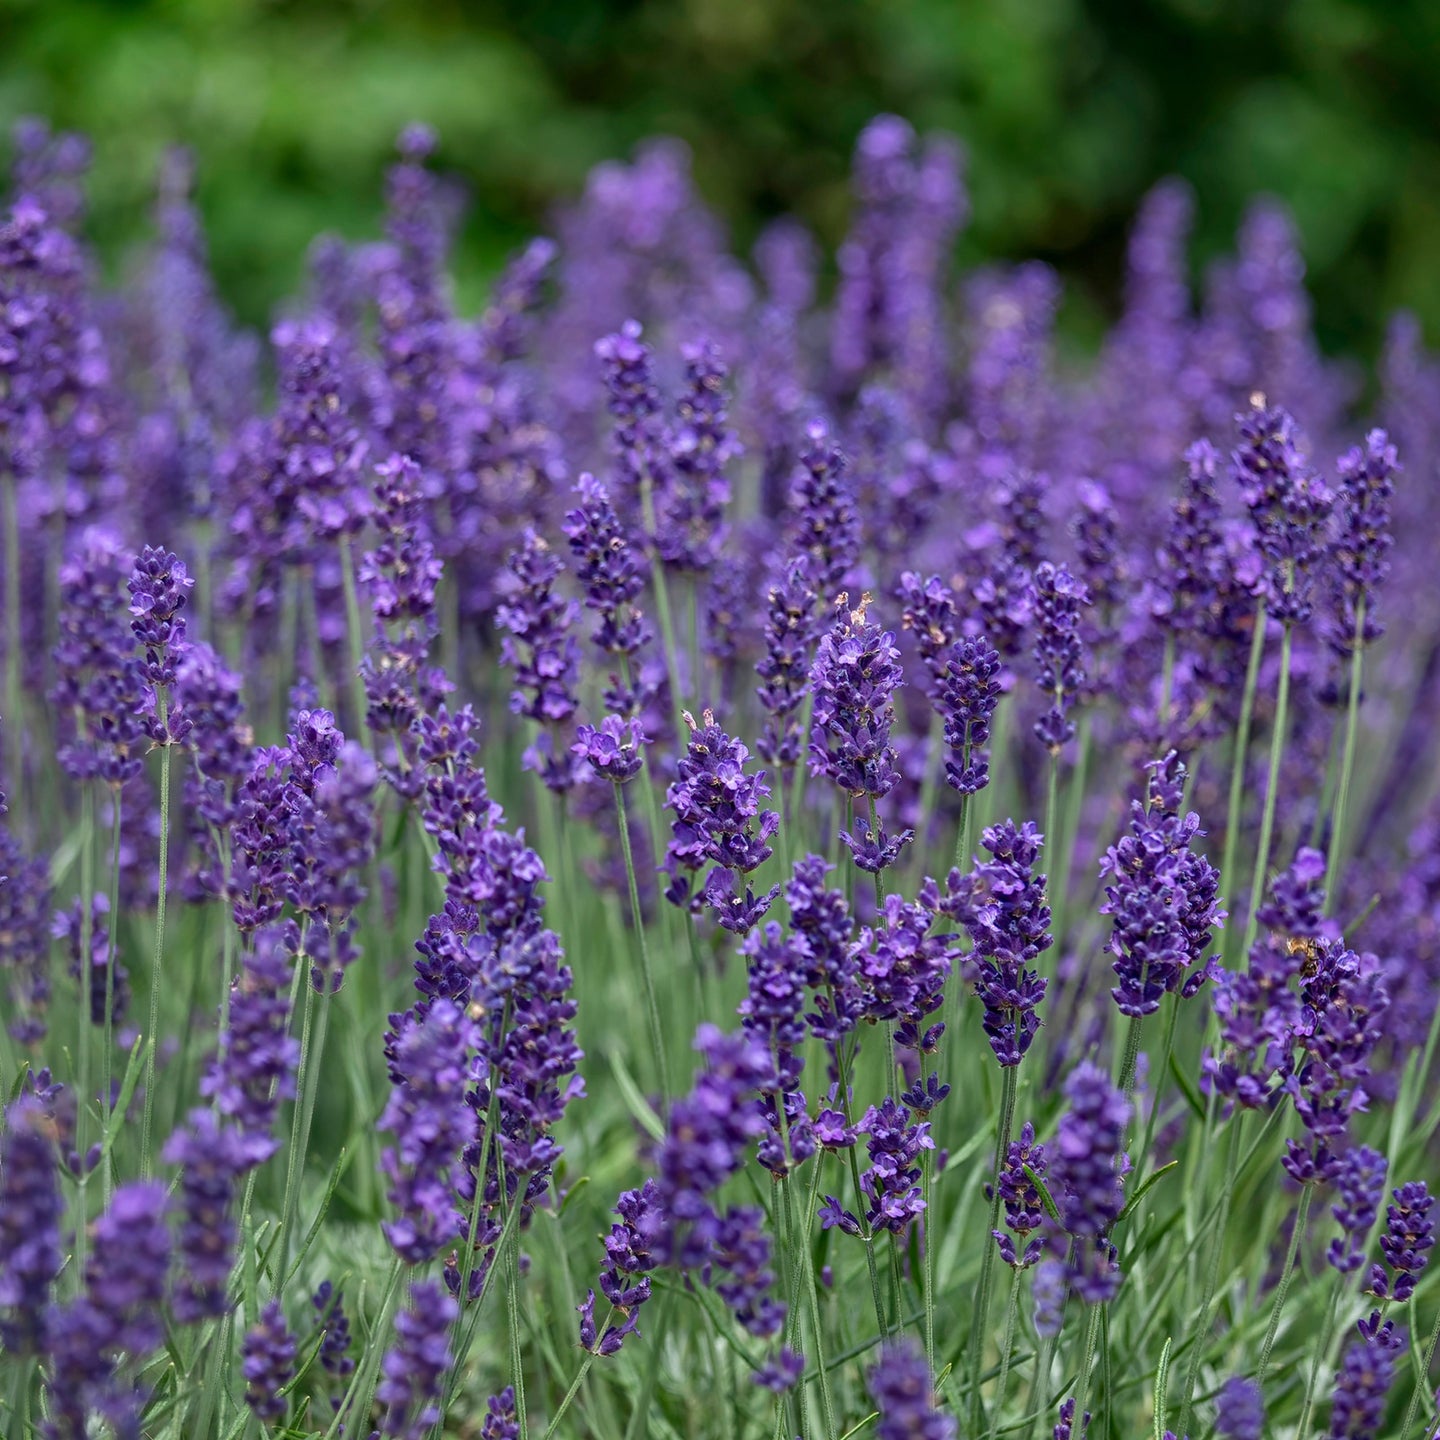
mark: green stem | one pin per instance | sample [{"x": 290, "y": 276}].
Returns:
[
  {"x": 1082, "y": 1389},
  {"x": 1212, "y": 1271},
  {"x": 1056, "y": 894},
  {"x": 355, "y": 629},
  {"x": 311, "y": 1058},
  {"x": 842, "y": 1065},
  {"x": 112, "y": 959},
  {"x": 82, "y": 1043},
  {"x": 1422, "y": 1384},
  {"x": 1167, "y": 681},
  {"x": 14, "y": 718},
  {"x": 157, "y": 965},
  {"x": 365, "y": 1373},
  {"x": 662, "y": 603},
  {"x": 652, "y": 1006},
  {"x": 1347, "y": 759},
  {"x": 1012, "y": 1309},
  {"x": 927, "y": 1199},
  {"x": 572, "y": 1392},
  {"x": 812, "y": 1298},
  {"x": 517, "y": 1349},
  {"x": 1302, "y": 1216},
  {"x": 1126, "y": 1078},
  {"x": 1009, "y": 1087},
  {"x": 1267, "y": 822},
  {"x": 1237, "y": 768},
  {"x": 1321, "y": 1350}
]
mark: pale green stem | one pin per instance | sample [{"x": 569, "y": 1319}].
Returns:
[
  {"x": 1321, "y": 1350},
  {"x": 652, "y": 1005},
  {"x": 14, "y": 719},
  {"x": 157, "y": 966},
  {"x": 1422, "y": 1385},
  {"x": 82, "y": 1042},
  {"x": 1212, "y": 1271},
  {"x": 111, "y": 960},
  {"x": 1009, "y": 1086},
  {"x": 1287, "y": 1274},
  {"x": 1237, "y": 770},
  {"x": 355, "y": 630},
  {"x": 1012, "y": 1310},
  {"x": 311, "y": 1060},
  {"x": 1082, "y": 1390},
  {"x": 1267, "y": 822},
  {"x": 1347, "y": 759}
]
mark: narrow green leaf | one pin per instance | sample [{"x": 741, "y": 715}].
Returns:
[
  {"x": 1187, "y": 1088},
  {"x": 1046, "y": 1199},
  {"x": 1162, "y": 1382},
  {"x": 1140, "y": 1194},
  {"x": 635, "y": 1102}
]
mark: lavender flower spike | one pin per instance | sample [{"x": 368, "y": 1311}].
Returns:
[
  {"x": 904, "y": 1394},
  {"x": 854, "y": 678},
  {"x": 1056, "y": 600}
]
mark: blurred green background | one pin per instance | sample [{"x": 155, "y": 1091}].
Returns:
[{"x": 1069, "y": 109}]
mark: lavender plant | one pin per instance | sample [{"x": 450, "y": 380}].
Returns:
[{"x": 366, "y": 878}]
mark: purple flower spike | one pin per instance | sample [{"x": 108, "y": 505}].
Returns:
[
  {"x": 1362, "y": 549},
  {"x": 30, "y": 1215},
  {"x": 1085, "y": 1170},
  {"x": 718, "y": 819},
  {"x": 430, "y": 1066},
  {"x": 268, "y": 1364},
  {"x": 614, "y": 750},
  {"x": 701, "y": 445},
  {"x": 892, "y": 1183},
  {"x": 1239, "y": 1410},
  {"x": 784, "y": 669},
  {"x": 1289, "y": 504},
  {"x": 612, "y": 577},
  {"x": 1359, "y": 1179},
  {"x": 1024, "y": 1209},
  {"x": 1009, "y": 927},
  {"x": 904, "y": 1394},
  {"x": 968, "y": 690},
  {"x": 1364, "y": 1380},
  {"x": 854, "y": 678},
  {"x": 874, "y": 851},
  {"x": 1408, "y": 1238},
  {"x": 539, "y": 648},
  {"x": 825, "y": 524},
  {"x": 1163, "y": 898},
  {"x": 414, "y": 1369},
  {"x": 1056, "y": 601}
]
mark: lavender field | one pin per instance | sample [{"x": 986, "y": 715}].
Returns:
[{"x": 728, "y": 847}]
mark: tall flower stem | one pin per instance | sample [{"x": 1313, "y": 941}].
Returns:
[
  {"x": 927, "y": 1198},
  {"x": 355, "y": 631},
  {"x": 652, "y": 1004},
  {"x": 866, "y": 1234},
  {"x": 14, "y": 719},
  {"x": 812, "y": 1299},
  {"x": 157, "y": 964},
  {"x": 1056, "y": 894},
  {"x": 311, "y": 1057},
  {"x": 1287, "y": 1274},
  {"x": 1267, "y": 821},
  {"x": 662, "y": 604},
  {"x": 1007, "y": 1348},
  {"x": 1242, "y": 746},
  {"x": 1326, "y": 1336},
  {"x": 1338, "y": 837},
  {"x": 112, "y": 958},
  {"x": 1009, "y": 1086},
  {"x": 1087, "y": 1364},
  {"x": 1212, "y": 1270},
  {"x": 82, "y": 1011}
]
